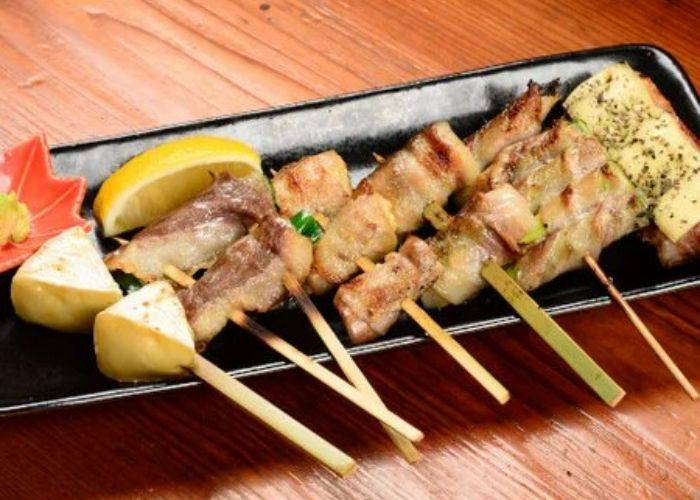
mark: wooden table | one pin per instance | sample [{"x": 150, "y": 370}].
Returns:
[{"x": 83, "y": 69}]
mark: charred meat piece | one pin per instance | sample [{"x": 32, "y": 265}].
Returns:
[
  {"x": 247, "y": 277},
  {"x": 365, "y": 227},
  {"x": 316, "y": 184},
  {"x": 521, "y": 119},
  {"x": 672, "y": 254},
  {"x": 192, "y": 236},
  {"x": 432, "y": 166},
  {"x": 370, "y": 303}
]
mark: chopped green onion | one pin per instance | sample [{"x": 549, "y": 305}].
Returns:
[
  {"x": 581, "y": 125},
  {"x": 536, "y": 234},
  {"x": 127, "y": 282},
  {"x": 306, "y": 225},
  {"x": 513, "y": 272}
]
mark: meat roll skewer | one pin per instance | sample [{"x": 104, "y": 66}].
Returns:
[{"x": 192, "y": 237}]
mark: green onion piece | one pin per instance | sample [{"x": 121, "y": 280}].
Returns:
[
  {"x": 127, "y": 282},
  {"x": 536, "y": 234},
  {"x": 306, "y": 225},
  {"x": 513, "y": 272},
  {"x": 581, "y": 125}
]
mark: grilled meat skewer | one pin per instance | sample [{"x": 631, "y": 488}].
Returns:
[{"x": 193, "y": 236}]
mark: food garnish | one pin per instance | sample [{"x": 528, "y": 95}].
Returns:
[
  {"x": 307, "y": 225},
  {"x": 14, "y": 219},
  {"x": 35, "y": 205},
  {"x": 160, "y": 179}
]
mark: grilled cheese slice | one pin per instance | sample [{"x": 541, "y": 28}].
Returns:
[{"x": 643, "y": 135}]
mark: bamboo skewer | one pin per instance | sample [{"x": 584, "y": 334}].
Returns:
[
  {"x": 345, "y": 361},
  {"x": 540, "y": 321},
  {"x": 316, "y": 370},
  {"x": 442, "y": 338},
  {"x": 641, "y": 327},
  {"x": 300, "y": 435},
  {"x": 543, "y": 324},
  {"x": 449, "y": 344}
]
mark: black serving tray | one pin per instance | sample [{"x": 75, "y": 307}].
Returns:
[{"x": 42, "y": 369}]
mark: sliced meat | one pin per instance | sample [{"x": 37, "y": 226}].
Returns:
[
  {"x": 541, "y": 167},
  {"x": 505, "y": 217},
  {"x": 192, "y": 236},
  {"x": 365, "y": 227},
  {"x": 672, "y": 254},
  {"x": 247, "y": 277},
  {"x": 614, "y": 216},
  {"x": 462, "y": 249},
  {"x": 521, "y": 119},
  {"x": 370, "y": 303},
  {"x": 507, "y": 212},
  {"x": 316, "y": 184},
  {"x": 432, "y": 166},
  {"x": 580, "y": 198}
]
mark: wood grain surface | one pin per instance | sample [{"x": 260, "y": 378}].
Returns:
[{"x": 80, "y": 69}]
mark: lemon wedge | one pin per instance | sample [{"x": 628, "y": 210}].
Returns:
[{"x": 160, "y": 179}]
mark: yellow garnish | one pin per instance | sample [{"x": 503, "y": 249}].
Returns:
[
  {"x": 160, "y": 179},
  {"x": 15, "y": 219}
]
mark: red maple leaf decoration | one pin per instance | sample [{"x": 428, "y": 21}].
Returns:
[{"x": 54, "y": 203}]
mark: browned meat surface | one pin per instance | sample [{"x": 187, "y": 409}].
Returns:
[
  {"x": 316, "y": 184},
  {"x": 247, "y": 277},
  {"x": 370, "y": 303},
  {"x": 580, "y": 198},
  {"x": 507, "y": 210},
  {"x": 432, "y": 166},
  {"x": 520, "y": 120},
  {"x": 192, "y": 236},
  {"x": 672, "y": 254},
  {"x": 541, "y": 167},
  {"x": 615, "y": 215},
  {"x": 462, "y": 249},
  {"x": 365, "y": 227}
]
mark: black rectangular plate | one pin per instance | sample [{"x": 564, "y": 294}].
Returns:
[{"x": 42, "y": 369}]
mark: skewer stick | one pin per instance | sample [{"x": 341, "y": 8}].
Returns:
[
  {"x": 310, "y": 366},
  {"x": 449, "y": 344},
  {"x": 442, "y": 338},
  {"x": 300, "y": 435},
  {"x": 345, "y": 361},
  {"x": 543, "y": 324},
  {"x": 641, "y": 327}
]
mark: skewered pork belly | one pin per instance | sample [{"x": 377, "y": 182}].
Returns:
[
  {"x": 194, "y": 235},
  {"x": 432, "y": 166},
  {"x": 612, "y": 211},
  {"x": 466, "y": 245},
  {"x": 496, "y": 224},
  {"x": 248, "y": 276},
  {"x": 318, "y": 184},
  {"x": 372, "y": 301},
  {"x": 672, "y": 254},
  {"x": 365, "y": 227}
]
